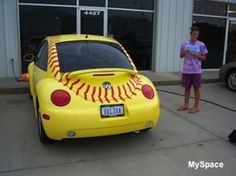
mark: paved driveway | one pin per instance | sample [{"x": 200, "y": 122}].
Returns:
[{"x": 164, "y": 151}]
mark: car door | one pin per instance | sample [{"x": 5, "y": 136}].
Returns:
[{"x": 40, "y": 64}]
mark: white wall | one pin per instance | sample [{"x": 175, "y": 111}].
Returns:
[
  {"x": 3, "y": 69},
  {"x": 174, "y": 19},
  {"x": 9, "y": 39}
]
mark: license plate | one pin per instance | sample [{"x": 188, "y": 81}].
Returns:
[{"x": 112, "y": 110}]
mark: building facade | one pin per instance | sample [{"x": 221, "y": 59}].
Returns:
[{"x": 151, "y": 30}]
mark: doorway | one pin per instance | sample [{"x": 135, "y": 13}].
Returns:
[{"x": 92, "y": 21}]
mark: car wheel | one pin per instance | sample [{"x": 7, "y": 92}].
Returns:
[
  {"x": 231, "y": 80},
  {"x": 42, "y": 135}
]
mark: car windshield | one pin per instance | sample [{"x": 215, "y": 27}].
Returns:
[{"x": 81, "y": 55}]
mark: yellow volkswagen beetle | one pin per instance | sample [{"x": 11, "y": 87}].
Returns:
[{"x": 87, "y": 86}]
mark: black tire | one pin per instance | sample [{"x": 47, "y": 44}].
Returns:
[
  {"x": 30, "y": 96},
  {"x": 231, "y": 80},
  {"x": 146, "y": 130},
  {"x": 42, "y": 135}
]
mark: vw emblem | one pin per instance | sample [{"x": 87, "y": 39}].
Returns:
[{"x": 106, "y": 85}]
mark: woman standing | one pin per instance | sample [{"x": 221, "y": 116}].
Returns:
[{"x": 193, "y": 52}]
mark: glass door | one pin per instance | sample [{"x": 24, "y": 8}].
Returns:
[
  {"x": 92, "y": 21},
  {"x": 231, "y": 43}
]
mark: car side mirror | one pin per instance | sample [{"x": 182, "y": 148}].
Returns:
[{"x": 28, "y": 57}]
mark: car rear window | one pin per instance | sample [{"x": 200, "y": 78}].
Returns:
[{"x": 81, "y": 55}]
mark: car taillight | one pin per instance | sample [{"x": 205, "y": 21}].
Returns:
[
  {"x": 147, "y": 91},
  {"x": 60, "y": 98}
]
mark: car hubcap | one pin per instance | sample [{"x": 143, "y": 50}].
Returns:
[{"x": 232, "y": 81}]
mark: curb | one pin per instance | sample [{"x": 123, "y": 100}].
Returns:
[
  {"x": 23, "y": 90},
  {"x": 16, "y": 90},
  {"x": 211, "y": 80},
  {"x": 166, "y": 83}
]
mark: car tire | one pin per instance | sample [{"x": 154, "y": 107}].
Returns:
[
  {"x": 231, "y": 80},
  {"x": 42, "y": 135},
  {"x": 30, "y": 96},
  {"x": 146, "y": 130}
]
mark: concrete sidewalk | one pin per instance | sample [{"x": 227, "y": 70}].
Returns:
[{"x": 11, "y": 86}]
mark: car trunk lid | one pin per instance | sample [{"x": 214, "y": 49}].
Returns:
[{"x": 103, "y": 86}]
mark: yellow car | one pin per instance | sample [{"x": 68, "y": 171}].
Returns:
[{"x": 87, "y": 86}]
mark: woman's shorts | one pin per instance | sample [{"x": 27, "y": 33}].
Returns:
[{"x": 189, "y": 80}]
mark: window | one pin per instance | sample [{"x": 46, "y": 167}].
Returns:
[
  {"x": 82, "y": 55},
  {"x": 232, "y": 10},
  {"x": 210, "y": 8},
  {"x": 37, "y": 22},
  {"x": 212, "y": 29},
  {"x": 98, "y": 3},
  {"x": 212, "y": 33},
  {"x": 132, "y": 4},
  {"x": 41, "y": 18},
  {"x": 231, "y": 51},
  {"x": 61, "y": 2},
  {"x": 42, "y": 57},
  {"x": 134, "y": 30}
]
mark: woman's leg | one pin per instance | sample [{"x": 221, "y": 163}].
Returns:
[
  {"x": 197, "y": 92},
  {"x": 187, "y": 92},
  {"x": 186, "y": 83}
]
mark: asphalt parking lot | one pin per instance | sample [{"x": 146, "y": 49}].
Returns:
[{"x": 180, "y": 137}]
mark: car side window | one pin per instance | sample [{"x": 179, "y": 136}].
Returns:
[{"x": 42, "y": 57}]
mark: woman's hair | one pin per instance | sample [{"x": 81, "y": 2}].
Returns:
[{"x": 194, "y": 28}]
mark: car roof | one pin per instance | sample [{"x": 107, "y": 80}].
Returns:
[{"x": 78, "y": 37}]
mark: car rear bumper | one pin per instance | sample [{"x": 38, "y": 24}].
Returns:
[{"x": 88, "y": 122}]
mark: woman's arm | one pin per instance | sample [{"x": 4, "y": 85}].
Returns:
[
  {"x": 182, "y": 53},
  {"x": 198, "y": 56}
]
